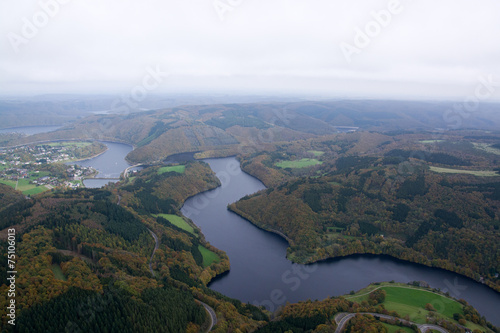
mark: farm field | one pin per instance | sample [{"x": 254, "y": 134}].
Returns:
[
  {"x": 485, "y": 173},
  {"x": 411, "y": 301},
  {"x": 174, "y": 168},
  {"x": 302, "y": 163},
  {"x": 24, "y": 186},
  {"x": 178, "y": 222}
]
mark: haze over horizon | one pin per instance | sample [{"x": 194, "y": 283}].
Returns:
[{"x": 367, "y": 49}]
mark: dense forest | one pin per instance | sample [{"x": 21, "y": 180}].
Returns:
[
  {"x": 395, "y": 187},
  {"x": 83, "y": 260},
  {"x": 387, "y": 200}
]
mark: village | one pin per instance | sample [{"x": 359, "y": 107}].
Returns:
[{"x": 33, "y": 169}]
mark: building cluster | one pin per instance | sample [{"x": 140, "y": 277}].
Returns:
[
  {"x": 29, "y": 162},
  {"x": 31, "y": 154}
]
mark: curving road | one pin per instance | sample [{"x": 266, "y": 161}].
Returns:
[
  {"x": 125, "y": 172},
  {"x": 211, "y": 314},
  {"x": 342, "y": 318},
  {"x": 154, "y": 250}
]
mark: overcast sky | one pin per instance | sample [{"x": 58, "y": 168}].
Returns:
[{"x": 418, "y": 49}]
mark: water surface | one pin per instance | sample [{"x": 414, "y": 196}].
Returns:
[
  {"x": 261, "y": 274},
  {"x": 110, "y": 164}
]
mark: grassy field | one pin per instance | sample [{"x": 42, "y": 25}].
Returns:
[
  {"x": 394, "y": 328},
  {"x": 303, "y": 163},
  {"x": 316, "y": 152},
  {"x": 58, "y": 272},
  {"x": 24, "y": 186},
  {"x": 208, "y": 256},
  {"x": 334, "y": 229},
  {"x": 486, "y": 147},
  {"x": 468, "y": 172},
  {"x": 174, "y": 168},
  {"x": 430, "y": 141},
  {"x": 79, "y": 144},
  {"x": 178, "y": 221},
  {"x": 411, "y": 301}
]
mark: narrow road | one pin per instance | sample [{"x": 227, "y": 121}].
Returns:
[
  {"x": 211, "y": 313},
  {"x": 342, "y": 318},
  {"x": 125, "y": 173},
  {"x": 154, "y": 250}
]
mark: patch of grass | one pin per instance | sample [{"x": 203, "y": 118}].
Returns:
[
  {"x": 487, "y": 148},
  {"x": 334, "y": 229},
  {"x": 70, "y": 143},
  {"x": 411, "y": 301},
  {"x": 431, "y": 141},
  {"x": 178, "y": 222},
  {"x": 58, "y": 272},
  {"x": 10, "y": 183},
  {"x": 468, "y": 172},
  {"x": 173, "y": 168},
  {"x": 418, "y": 298},
  {"x": 24, "y": 186},
  {"x": 208, "y": 256},
  {"x": 316, "y": 152},
  {"x": 303, "y": 163},
  {"x": 35, "y": 190},
  {"x": 394, "y": 328}
]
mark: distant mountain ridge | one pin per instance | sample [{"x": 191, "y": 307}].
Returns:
[{"x": 222, "y": 129}]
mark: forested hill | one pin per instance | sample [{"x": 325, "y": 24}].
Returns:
[
  {"x": 83, "y": 260},
  {"x": 229, "y": 129},
  {"x": 406, "y": 195}
]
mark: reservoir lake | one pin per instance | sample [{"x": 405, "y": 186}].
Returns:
[{"x": 261, "y": 274}]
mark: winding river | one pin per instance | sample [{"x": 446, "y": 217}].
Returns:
[{"x": 261, "y": 274}]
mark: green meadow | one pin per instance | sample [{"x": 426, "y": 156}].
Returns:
[
  {"x": 468, "y": 172},
  {"x": 178, "y": 222},
  {"x": 208, "y": 256},
  {"x": 56, "y": 269},
  {"x": 24, "y": 186},
  {"x": 302, "y": 163},
  {"x": 411, "y": 301},
  {"x": 316, "y": 152},
  {"x": 173, "y": 168}
]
